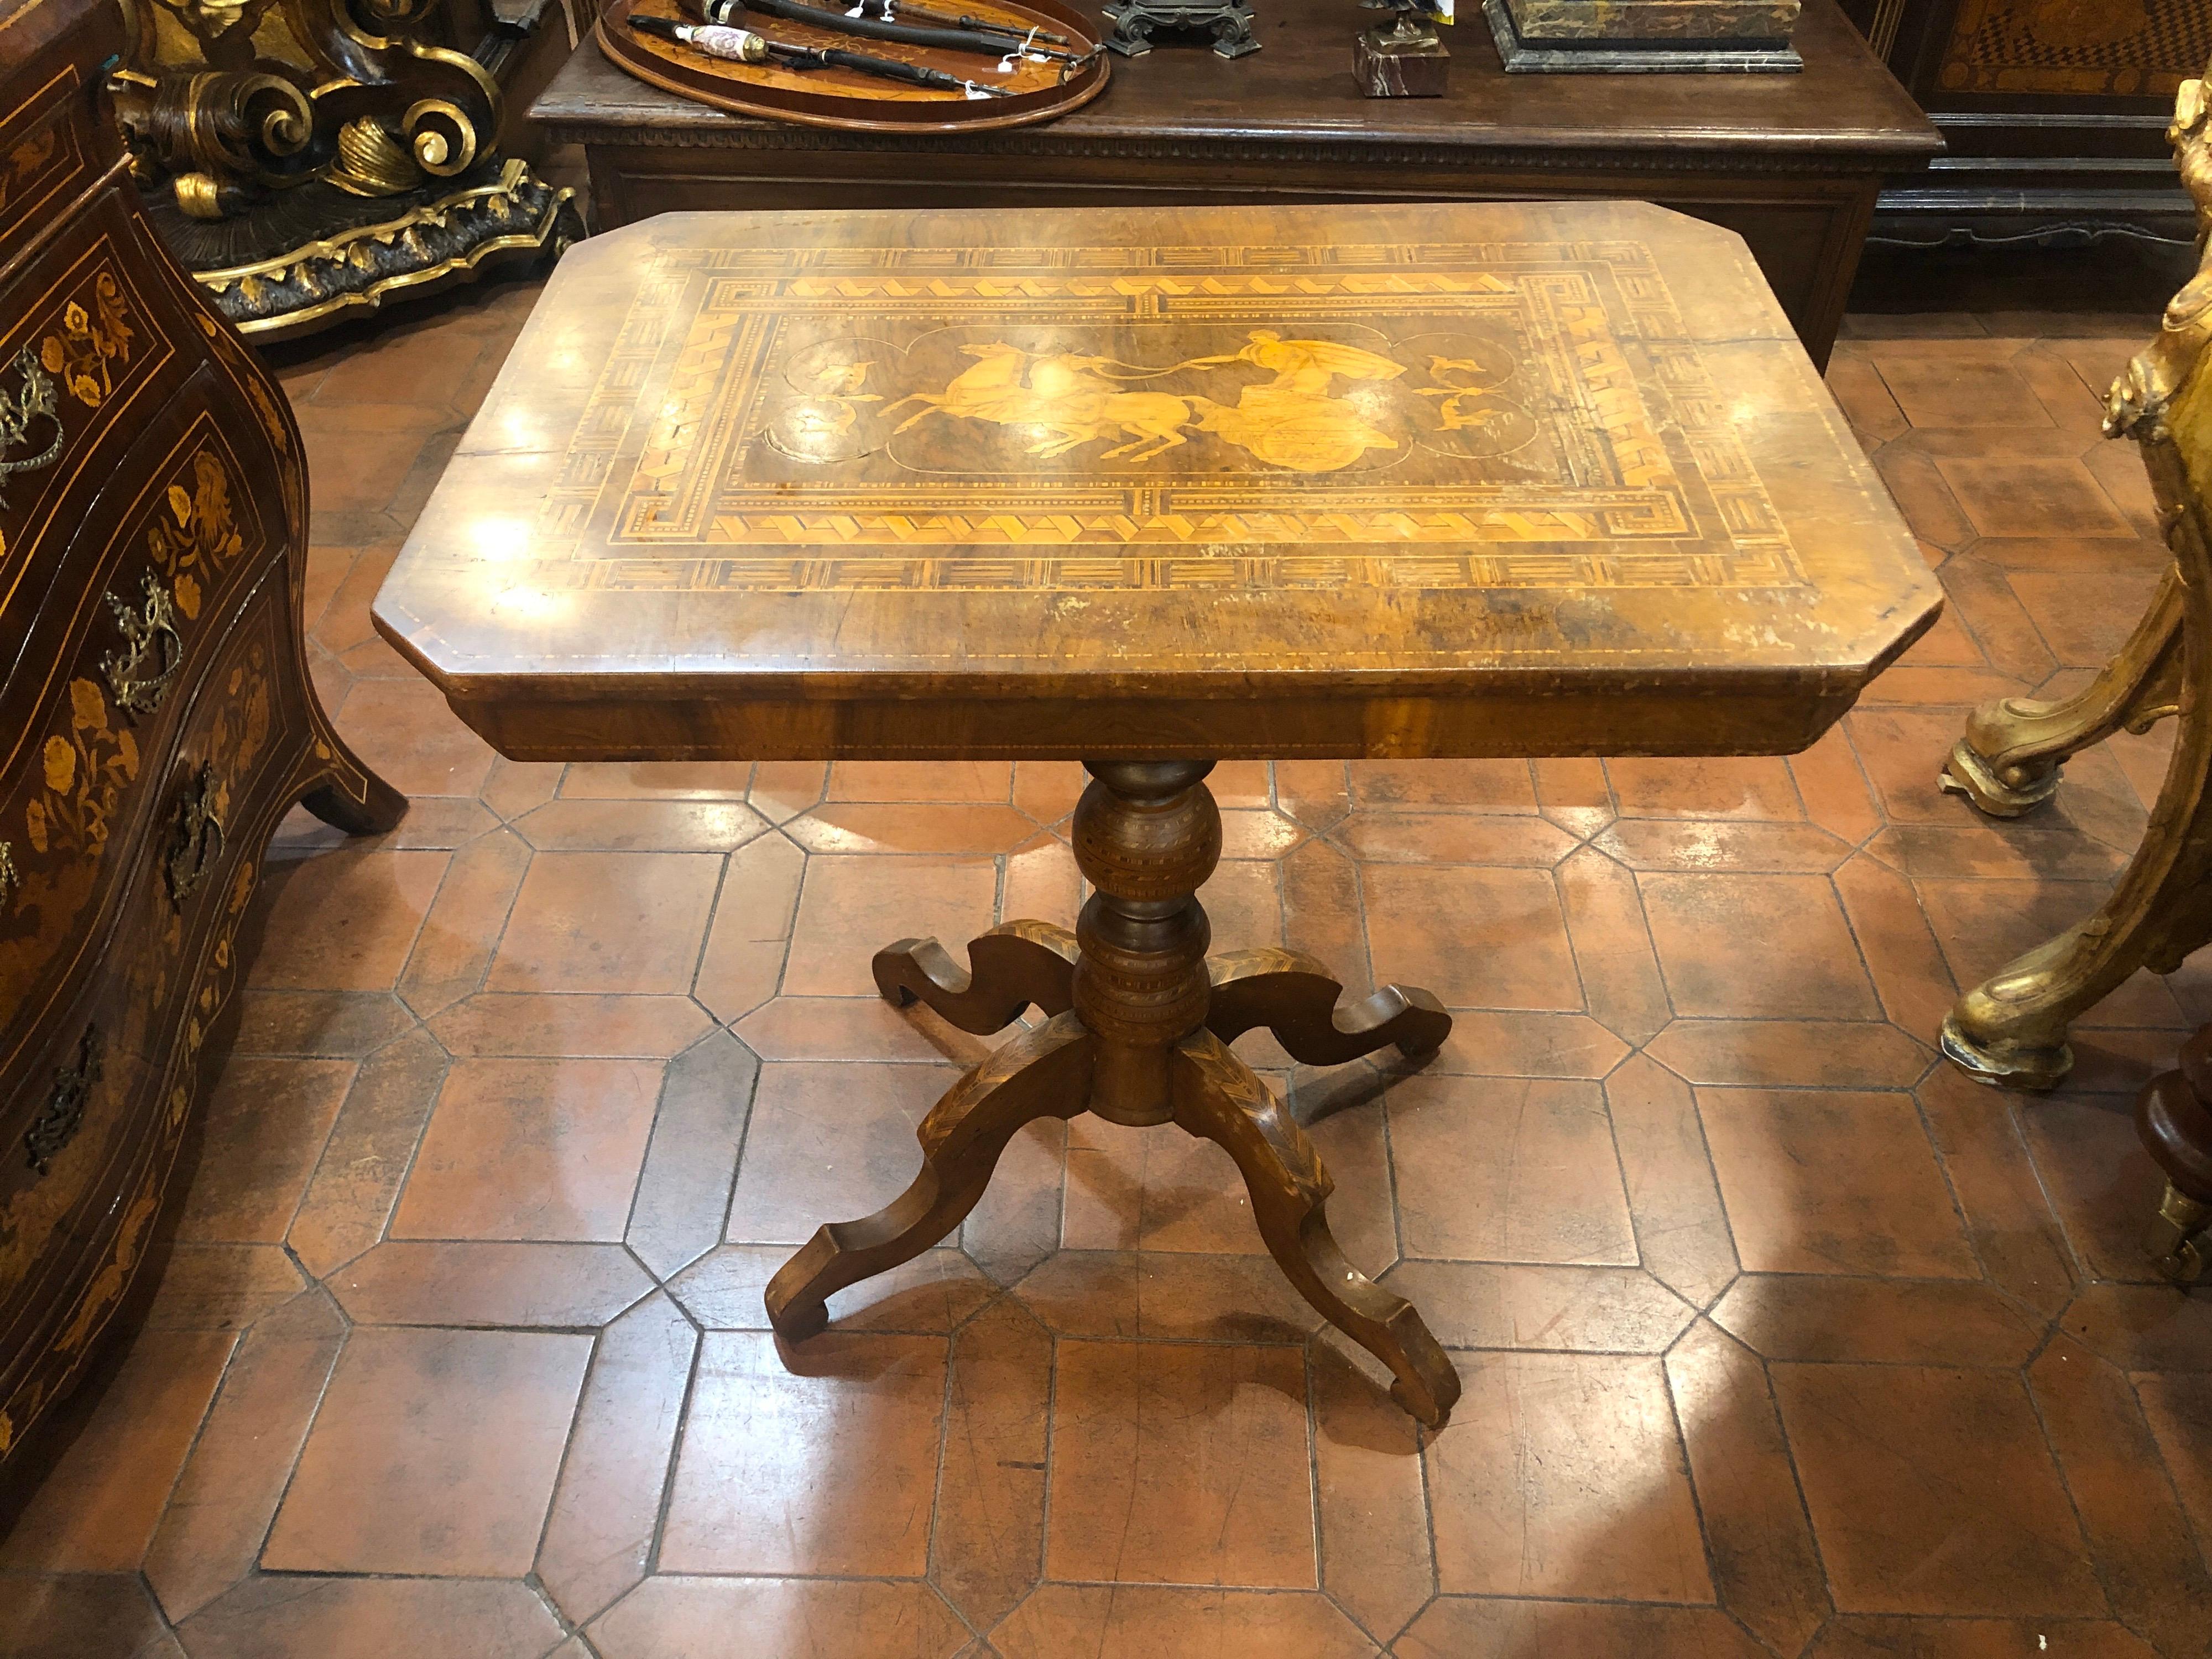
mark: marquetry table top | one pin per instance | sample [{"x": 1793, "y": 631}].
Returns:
[{"x": 1450, "y": 480}]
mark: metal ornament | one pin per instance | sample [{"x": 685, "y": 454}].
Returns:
[
  {"x": 1229, "y": 21},
  {"x": 34, "y": 402}
]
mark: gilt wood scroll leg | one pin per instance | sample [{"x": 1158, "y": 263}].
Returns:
[
  {"x": 2011, "y": 1028},
  {"x": 1295, "y": 997},
  {"x": 1218, "y": 1096},
  {"x": 2173, "y": 1115},
  {"x": 2009, "y": 757},
  {"x": 1011, "y": 967},
  {"x": 1041, "y": 1073}
]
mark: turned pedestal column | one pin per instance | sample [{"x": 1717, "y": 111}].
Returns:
[{"x": 1139, "y": 1028}]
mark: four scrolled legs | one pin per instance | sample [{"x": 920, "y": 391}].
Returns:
[
  {"x": 1295, "y": 996},
  {"x": 1139, "y": 1033},
  {"x": 1217, "y": 1097},
  {"x": 1008, "y": 969},
  {"x": 1041, "y": 1073}
]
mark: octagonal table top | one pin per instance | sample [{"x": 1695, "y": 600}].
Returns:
[{"x": 1381, "y": 480}]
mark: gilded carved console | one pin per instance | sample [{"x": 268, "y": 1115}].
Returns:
[
  {"x": 155, "y": 718},
  {"x": 2012, "y": 1029},
  {"x": 311, "y": 159}
]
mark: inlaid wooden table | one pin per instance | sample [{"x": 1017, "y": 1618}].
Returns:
[{"x": 1151, "y": 489}]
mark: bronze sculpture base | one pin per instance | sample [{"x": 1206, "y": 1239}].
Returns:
[
  {"x": 318, "y": 254},
  {"x": 1138, "y": 1032},
  {"x": 1230, "y": 23}
]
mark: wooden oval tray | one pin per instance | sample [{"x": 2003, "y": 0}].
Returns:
[{"x": 842, "y": 97}]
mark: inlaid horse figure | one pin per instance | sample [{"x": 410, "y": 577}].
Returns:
[{"x": 1063, "y": 394}]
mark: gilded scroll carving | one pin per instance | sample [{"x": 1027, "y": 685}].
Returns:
[{"x": 303, "y": 157}]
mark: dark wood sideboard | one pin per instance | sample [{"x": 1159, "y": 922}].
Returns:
[
  {"x": 2054, "y": 114},
  {"x": 1791, "y": 163},
  {"x": 155, "y": 718}
]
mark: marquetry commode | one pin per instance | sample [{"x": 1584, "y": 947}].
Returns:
[{"x": 156, "y": 718}]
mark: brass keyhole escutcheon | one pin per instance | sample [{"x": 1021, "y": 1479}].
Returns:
[
  {"x": 195, "y": 834},
  {"x": 63, "y": 1115}
]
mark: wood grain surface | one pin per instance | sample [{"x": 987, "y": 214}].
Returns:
[{"x": 1450, "y": 480}]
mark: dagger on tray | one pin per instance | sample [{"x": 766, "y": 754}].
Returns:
[
  {"x": 740, "y": 45},
  {"x": 991, "y": 40},
  {"x": 886, "y": 10}
]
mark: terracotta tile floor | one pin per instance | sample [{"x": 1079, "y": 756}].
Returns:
[{"x": 1777, "y": 1337}]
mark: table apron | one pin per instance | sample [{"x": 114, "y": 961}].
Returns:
[{"x": 523, "y": 726}]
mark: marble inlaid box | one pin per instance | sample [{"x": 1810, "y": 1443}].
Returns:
[{"x": 1625, "y": 36}]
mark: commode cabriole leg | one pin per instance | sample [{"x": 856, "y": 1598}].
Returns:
[{"x": 1139, "y": 1031}]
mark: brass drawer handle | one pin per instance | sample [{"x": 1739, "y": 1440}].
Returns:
[
  {"x": 19, "y": 413},
  {"x": 10, "y": 878},
  {"x": 141, "y": 674},
  {"x": 57, "y": 1125},
  {"x": 195, "y": 835}
]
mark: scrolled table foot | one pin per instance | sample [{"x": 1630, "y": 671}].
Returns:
[
  {"x": 2004, "y": 1063},
  {"x": 1295, "y": 997},
  {"x": 1012, "y": 966},
  {"x": 1217, "y": 1096},
  {"x": 1041, "y": 1073},
  {"x": 2176, "y": 1242},
  {"x": 2009, "y": 757},
  {"x": 2002, "y": 795}
]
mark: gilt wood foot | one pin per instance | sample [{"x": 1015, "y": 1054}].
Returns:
[
  {"x": 1139, "y": 1033},
  {"x": 2009, "y": 758}
]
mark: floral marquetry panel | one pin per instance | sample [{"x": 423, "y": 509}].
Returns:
[
  {"x": 188, "y": 536},
  {"x": 155, "y": 719},
  {"x": 791, "y": 475}
]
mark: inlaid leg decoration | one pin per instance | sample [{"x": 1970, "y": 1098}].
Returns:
[
  {"x": 1295, "y": 997},
  {"x": 1217, "y": 1096},
  {"x": 1013, "y": 965},
  {"x": 2012, "y": 1028},
  {"x": 2173, "y": 1115},
  {"x": 350, "y": 797},
  {"x": 1041, "y": 1073},
  {"x": 2009, "y": 757}
]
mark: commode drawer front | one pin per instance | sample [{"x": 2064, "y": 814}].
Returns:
[
  {"x": 97, "y": 1099},
  {"x": 85, "y": 363},
  {"x": 109, "y": 660},
  {"x": 46, "y": 148}
]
